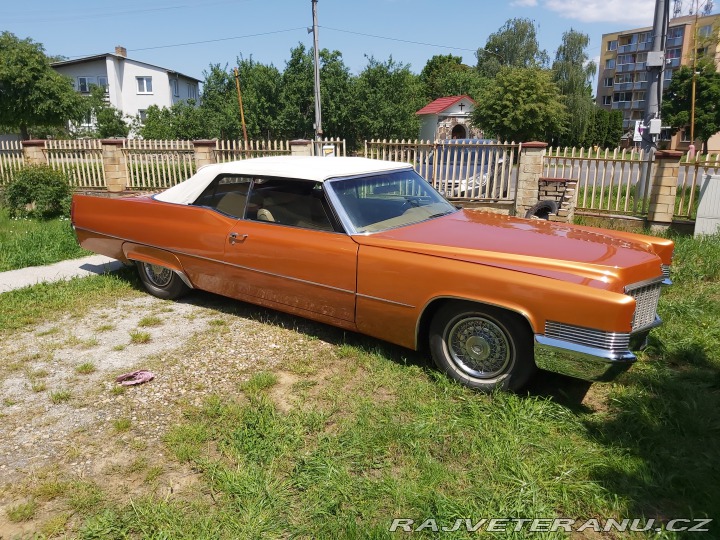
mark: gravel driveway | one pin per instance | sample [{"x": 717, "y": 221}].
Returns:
[{"x": 63, "y": 417}]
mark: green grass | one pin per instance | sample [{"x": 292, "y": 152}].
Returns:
[
  {"x": 60, "y": 396},
  {"x": 31, "y": 305},
  {"x": 22, "y": 512},
  {"x": 86, "y": 368},
  {"x": 149, "y": 320},
  {"x": 137, "y": 337},
  {"x": 370, "y": 432},
  {"x": 26, "y": 243}
]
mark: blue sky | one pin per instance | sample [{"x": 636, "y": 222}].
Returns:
[{"x": 154, "y": 31}]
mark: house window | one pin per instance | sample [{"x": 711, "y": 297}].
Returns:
[
  {"x": 673, "y": 53},
  {"x": 103, "y": 81},
  {"x": 607, "y": 100},
  {"x": 705, "y": 31},
  {"x": 144, "y": 85},
  {"x": 191, "y": 91},
  {"x": 608, "y": 82},
  {"x": 174, "y": 87},
  {"x": 645, "y": 37},
  {"x": 675, "y": 32},
  {"x": 610, "y": 63},
  {"x": 622, "y": 96},
  {"x": 612, "y": 45},
  {"x": 142, "y": 114},
  {"x": 84, "y": 84}
]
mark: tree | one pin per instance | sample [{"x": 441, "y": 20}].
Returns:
[
  {"x": 109, "y": 121},
  {"x": 181, "y": 121},
  {"x": 33, "y": 94},
  {"x": 523, "y": 104},
  {"x": 297, "y": 109},
  {"x": 297, "y": 97},
  {"x": 387, "y": 96},
  {"x": 514, "y": 45},
  {"x": 677, "y": 102},
  {"x": 572, "y": 73},
  {"x": 446, "y": 75}
]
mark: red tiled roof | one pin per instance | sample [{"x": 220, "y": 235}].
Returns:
[{"x": 440, "y": 104}]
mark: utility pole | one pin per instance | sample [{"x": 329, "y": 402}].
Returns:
[
  {"x": 316, "y": 50},
  {"x": 242, "y": 110},
  {"x": 656, "y": 67}
]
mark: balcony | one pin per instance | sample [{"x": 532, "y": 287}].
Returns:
[
  {"x": 640, "y": 85},
  {"x": 630, "y": 47},
  {"x": 622, "y": 87},
  {"x": 639, "y": 104},
  {"x": 641, "y": 66},
  {"x": 644, "y": 46},
  {"x": 672, "y": 63},
  {"x": 620, "y": 105},
  {"x": 625, "y": 68},
  {"x": 674, "y": 42}
]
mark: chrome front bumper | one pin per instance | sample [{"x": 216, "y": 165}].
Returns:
[{"x": 588, "y": 363}]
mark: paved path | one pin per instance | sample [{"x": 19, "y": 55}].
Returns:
[{"x": 64, "y": 270}]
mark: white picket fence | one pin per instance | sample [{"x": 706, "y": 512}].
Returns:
[
  {"x": 80, "y": 160},
  {"x": 158, "y": 164},
  {"x": 692, "y": 176},
  {"x": 460, "y": 169},
  {"x": 11, "y": 159},
  {"x": 607, "y": 179}
]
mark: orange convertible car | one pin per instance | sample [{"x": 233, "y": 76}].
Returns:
[{"x": 370, "y": 246}]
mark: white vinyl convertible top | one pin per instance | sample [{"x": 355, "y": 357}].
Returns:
[{"x": 318, "y": 169}]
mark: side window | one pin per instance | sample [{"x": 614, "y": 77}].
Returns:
[
  {"x": 296, "y": 203},
  {"x": 227, "y": 194}
]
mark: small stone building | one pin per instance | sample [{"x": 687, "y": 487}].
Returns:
[{"x": 448, "y": 118}]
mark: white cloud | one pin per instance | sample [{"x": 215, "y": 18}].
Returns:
[
  {"x": 638, "y": 12},
  {"x": 524, "y": 3}
]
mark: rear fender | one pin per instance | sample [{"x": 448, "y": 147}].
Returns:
[{"x": 160, "y": 257}]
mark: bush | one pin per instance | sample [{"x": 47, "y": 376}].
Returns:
[{"x": 38, "y": 192}]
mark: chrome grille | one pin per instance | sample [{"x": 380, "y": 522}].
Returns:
[
  {"x": 666, "y": 271},
  {"x": 646, "y": 300},
  {"x": 589, "y": 337}
]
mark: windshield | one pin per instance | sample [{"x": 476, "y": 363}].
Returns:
[{"x": 386, "y": 201}]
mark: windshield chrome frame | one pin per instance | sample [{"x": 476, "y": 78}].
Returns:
[{"x": 342, "y": 214}]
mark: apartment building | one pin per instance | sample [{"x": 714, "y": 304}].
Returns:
[{"x": 623, "y": 76}]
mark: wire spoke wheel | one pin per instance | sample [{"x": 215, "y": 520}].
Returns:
[
  {"x": 158, "y": 275},
  {"x": 483, "y": 347},
  {"x": 479, "y": 347}
]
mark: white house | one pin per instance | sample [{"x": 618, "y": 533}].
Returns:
[
  {"x": 131, "y": 86},
  {"x": 448, "y": 118}
]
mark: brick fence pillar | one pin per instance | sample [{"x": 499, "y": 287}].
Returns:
[
  {"x": 34, "y": 152},
  {"x": 116, "y": 173},
  {"x": 204, "y": 153},
  {"x": 663, "y": 189},
  {"x": 530, "y": 166},
  {"x": 301, "y": 147}
]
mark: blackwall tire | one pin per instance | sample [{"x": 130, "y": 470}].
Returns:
[
  {"x": 542, "y": 210},
  {"x": 161, "y": 281},
  {"x": 482, "y": 347}
]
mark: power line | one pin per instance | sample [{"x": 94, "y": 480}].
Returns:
[
  {"x": 404, "y": 40},
  {"x": 304, "y": 28}
]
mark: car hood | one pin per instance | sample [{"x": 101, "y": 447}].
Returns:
[{"x": 537, "y": 247}]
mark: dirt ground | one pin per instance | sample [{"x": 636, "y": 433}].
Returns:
[{"x": 65, "y": 422}]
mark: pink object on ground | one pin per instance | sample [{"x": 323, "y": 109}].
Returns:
[{"x": 136, "y": 377}]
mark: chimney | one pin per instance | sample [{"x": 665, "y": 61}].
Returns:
[{"x": 121, "y": 51}]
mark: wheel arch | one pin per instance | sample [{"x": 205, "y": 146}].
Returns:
[
  {"x": 422, "y": 329},
  {"x": 160, "y": 257}
]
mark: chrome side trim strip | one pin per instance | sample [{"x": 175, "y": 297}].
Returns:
[
  {"x": 385, "y": 300},
  {"x": 264, "y": 272}
]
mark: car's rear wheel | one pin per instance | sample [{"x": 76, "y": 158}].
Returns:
[
  {"x": 160, "y": 281},
  {"x": 482, "y": 347}
]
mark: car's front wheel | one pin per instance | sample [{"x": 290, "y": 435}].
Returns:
[
  {"x": 161, "y": 281},
  {"x": 482, "y": 347}
]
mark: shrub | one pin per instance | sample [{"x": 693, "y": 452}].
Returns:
[{"x": 38, "y": 191}]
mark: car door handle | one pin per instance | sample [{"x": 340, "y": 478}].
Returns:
[{"x": 235, "y": 238}]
